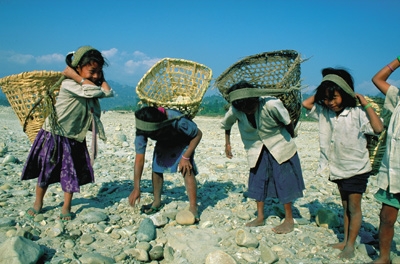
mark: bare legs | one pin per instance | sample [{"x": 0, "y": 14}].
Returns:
[
  {"x": 38, "y": 204},
  {"x": 191, "y": 189},
  {"x": 286, "y": 227},
  {"x": 388, "y": 218},
  {"x": 352, "y": 218},
  {"x": 288, "y": 224},
  {"x": 260, "y": 216}
]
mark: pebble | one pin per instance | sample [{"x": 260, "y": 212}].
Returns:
[{"x": 106, "y": 229}]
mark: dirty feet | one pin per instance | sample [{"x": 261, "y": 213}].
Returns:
[{"x": 286, "y": 227}]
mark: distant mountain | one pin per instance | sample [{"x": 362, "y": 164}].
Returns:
[{"x": 124, "y": 97}]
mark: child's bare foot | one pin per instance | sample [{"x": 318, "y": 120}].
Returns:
[
  {"x": 255, "y": 222},
  {"x": 340, "y": 245},
  {"x": 347, "y": 253},
  {"x": 286, "y": 227}
]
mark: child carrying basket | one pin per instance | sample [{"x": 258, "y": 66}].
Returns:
[
  {"x": 275, "y": 73},
  {"x": 266, "y": 126},
  {"x": 172, "y": 91}
]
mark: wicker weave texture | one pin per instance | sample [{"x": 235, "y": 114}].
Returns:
[
  {"x": 278, "y": 70},
  {"x": 175, "y": 83},
  {"x": 24, "y": 92},
  {"x": 376, "y": 145}
]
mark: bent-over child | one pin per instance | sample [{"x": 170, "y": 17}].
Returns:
[
  {"x": 267, "y": 134},
  {"x": 344, "y": 157},
  {"x": 176, "y": 139}
]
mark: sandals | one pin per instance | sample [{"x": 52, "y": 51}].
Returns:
[
  {"x": 33, "y": 210},
  {"x": 150, "y": 209},
  {"x": 65, "y": 217}
]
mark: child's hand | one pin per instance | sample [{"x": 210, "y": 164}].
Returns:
[
  {"x": 70, "y": 73},
  {"x": 362, "y": 99},
  {"x": 184, "y": 166},
  {"x": 133, "y": 197},
  {"x": 228, "y": 151}
]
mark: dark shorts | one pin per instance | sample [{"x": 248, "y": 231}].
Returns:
[
  {"x": 355, "y": 184},
  {"x": 269, "y": 179}
]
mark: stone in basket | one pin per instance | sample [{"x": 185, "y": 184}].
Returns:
[
  {"x": 275, "y": 73},
  {"x": 31, "y": 96},
  {"x": 175, "y": 84}
]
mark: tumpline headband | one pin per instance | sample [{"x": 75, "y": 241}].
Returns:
[
  {"x": 340, "y": 82},
  {"x": 254, "y": 92},
  {"x": 79, "y": 53},
  {"x": 154, "y": 126}
]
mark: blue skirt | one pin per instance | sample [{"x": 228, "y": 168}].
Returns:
[
  {"x": 166, "y": 158},
  {"x": 269, "y": 179}
]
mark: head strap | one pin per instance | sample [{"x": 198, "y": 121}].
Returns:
[
  {"x": 79, "y": 54},
  {"x": 154, "y": 126},
  {"x": 340, "y": 82},
  {"x": 254, "y": 92}
]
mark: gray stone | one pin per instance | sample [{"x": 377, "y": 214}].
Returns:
[
  {"x": 146, "y": 231},
  {"x": 219, "y": 257},
  {"x": 7, "y": 221},
  {"x": 93, "y": 216},
  {"x": 95, "y": 258},
  {"x": 246, "y": 239},
  {"x": 156, "y": 253},
  {"x": 19, "y": 250}
]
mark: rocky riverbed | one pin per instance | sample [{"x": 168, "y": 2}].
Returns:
[{"x": 105, "y": 229}]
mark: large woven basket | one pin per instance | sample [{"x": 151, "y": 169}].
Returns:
[
  {"x": 175, "y": 84},
  {"x": 376, "y": 145},
  {"x": 26, "y": 92},
  {"x": 276, "y": 72}
]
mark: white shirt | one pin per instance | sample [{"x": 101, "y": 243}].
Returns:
[
  {"x": 389, "y": 172},
  {"x": 343, "y": 145},
  {"x": 271, "y": 118}
]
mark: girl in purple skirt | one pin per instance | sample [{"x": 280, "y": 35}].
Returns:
[
  {"x": 266, "y": 131},
  {"x": 59, "y": 152}
]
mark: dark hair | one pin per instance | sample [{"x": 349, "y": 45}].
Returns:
[
  {"x": 331, "y": 87},
  {"x": 149, "y": 114},
  {"x": 244, "y": 104},
  {"x": 88, "y": 57}
]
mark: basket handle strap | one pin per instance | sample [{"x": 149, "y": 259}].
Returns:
[
  {"x": 47, "y": 96},
  {"x": 154, "y": 126},
  {"x": 251, "y": 92}
]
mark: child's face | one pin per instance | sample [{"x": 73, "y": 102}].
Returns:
[
  {"x": 334, "y": 103},
  {"x": 91, "y": 71}
]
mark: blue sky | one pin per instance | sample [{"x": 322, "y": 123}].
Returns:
[{"x": 359, "y": 35}]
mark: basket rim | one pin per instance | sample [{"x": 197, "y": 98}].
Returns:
[
  {"x": 27, "y": 75},
  {"x": 140, "y": 83},
  {"x": 241, "y": 61}
]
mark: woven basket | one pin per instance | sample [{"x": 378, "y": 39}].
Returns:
[
  {"x": 376, "y": 145},
  {"x": 175, "y": 84},
  {"x": 276, "y": 72},
  {"x": 25, "y": 93}
]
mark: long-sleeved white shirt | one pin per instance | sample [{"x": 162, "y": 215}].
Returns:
[
  {"x": 389, "y": 172},
  {"x": 271, "y": 118},
  {"x": 343, "y": 145},
  {"x": 73, "y": 107}
]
